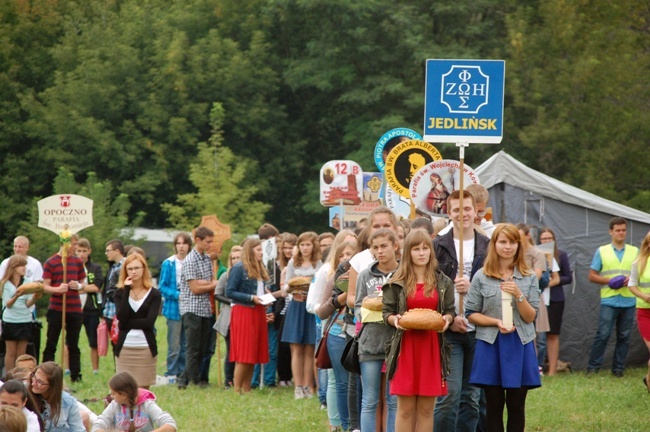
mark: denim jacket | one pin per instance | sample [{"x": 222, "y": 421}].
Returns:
[
  {"x": 484, "y": 296},
  {"x": 241, "y": 288},
  {"x": 69, "y": 417}
]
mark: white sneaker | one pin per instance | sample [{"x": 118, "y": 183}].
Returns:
[
  {"x": 306, "y": 393},
  {"x": 161, "y": 380},
  {"x": 171, "y": 379},
  {"x": 297, "y": 393}
]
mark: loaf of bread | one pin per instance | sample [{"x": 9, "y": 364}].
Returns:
[
  {"x": 372, "y": 303},
  {"x": 299, "y": 283},
  {"x": 422, "y": 319},
  {"x": 31, "y": 287}
]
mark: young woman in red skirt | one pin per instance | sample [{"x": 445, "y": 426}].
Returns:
[{"x": 248, "y": 332}]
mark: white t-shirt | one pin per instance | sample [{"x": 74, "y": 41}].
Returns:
[
  {"x": 468, "y": 259},
  {"x": 317, "y": 287},
  {"x": 362, "y": 261},
  {"x": 135, "y": 337},
  {"x": 32, "y": 421}
]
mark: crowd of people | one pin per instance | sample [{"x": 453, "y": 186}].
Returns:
[{"x": 498, "y": 297}]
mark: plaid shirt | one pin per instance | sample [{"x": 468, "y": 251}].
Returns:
[
  {"x": 195, "y": 267},
  {"x": 111, "y": 282}
]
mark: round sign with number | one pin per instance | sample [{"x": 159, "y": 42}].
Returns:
[
  {"x": 341, "y": 183},
  {"x": 405, "y": 160}
]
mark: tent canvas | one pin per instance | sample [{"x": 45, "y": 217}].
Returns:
[{"x": 580, "y": 221}]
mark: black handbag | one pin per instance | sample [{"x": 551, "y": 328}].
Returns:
[{"x": 350, "y": 356}]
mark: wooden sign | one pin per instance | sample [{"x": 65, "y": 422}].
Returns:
[{"x": 221, "y": 232}]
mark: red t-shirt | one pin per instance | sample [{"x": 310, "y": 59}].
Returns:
[{"x": 53, "y": 270}]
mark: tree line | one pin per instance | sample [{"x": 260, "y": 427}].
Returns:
[{"x": 233, "y": 105}]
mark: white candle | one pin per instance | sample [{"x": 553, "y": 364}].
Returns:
[{"x": 506, "y": 310}]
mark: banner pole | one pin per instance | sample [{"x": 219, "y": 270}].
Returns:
[{"x": 461, "y": 147}]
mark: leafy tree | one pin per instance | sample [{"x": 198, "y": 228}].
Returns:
[
  {"x": 223, "y": 185},
  {"x": 579, "y": 103}
]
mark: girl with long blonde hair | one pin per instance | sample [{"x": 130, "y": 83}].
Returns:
[{"x": 419, "y": 375}]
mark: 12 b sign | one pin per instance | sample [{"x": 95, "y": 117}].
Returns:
[{"x": 464, "y": 101}]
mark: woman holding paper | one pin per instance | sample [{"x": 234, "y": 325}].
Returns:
[
  {"x": 248, "y": 332},
  {"x": 505, "y": 363},
  {"x": 16, "y": 316}
]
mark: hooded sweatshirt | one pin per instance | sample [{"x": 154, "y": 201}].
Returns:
[
  {"x": 147, "y": 415},
  {"x": 374, "y": 336}
]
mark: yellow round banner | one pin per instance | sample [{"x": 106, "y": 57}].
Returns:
[{"x": 405, "y": 160}]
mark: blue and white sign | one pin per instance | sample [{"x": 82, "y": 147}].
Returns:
[{"x": 464, "y": 101}]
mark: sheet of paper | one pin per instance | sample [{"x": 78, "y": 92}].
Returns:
[{"x": 267, "y": 299}]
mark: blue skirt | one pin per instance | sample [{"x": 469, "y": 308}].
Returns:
[
  {"x": 299, "y": 325},
  {"x": 507, "y": 363}
]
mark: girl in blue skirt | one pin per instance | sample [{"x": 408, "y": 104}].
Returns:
[{"x": 505, "y": 363}]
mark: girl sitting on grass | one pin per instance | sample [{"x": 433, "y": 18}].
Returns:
[{"x": 132, "y": 409}]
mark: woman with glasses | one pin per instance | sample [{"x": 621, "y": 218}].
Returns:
[
  {"x": 137, "y": 306},
  {"x": 556, "y": 305},
  {"x": 58, "y": 408}
]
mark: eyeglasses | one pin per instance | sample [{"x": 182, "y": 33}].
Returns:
[
  {"x": 134, "y": 269},
  {"x": 38, "y": 381},
  {"x": 546, "y": 239}
]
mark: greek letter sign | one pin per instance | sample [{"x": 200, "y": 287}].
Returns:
[{"x": 464, "y": 101}]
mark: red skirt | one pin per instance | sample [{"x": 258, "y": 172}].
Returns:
[
  {"x": 643, "y": 321},
  {"x": 249, "y": 338}
]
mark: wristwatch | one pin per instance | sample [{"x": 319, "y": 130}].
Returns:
[{"x": 521, "y": 298}]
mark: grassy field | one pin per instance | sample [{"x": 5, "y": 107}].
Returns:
[{"x": 565, "y": 403}]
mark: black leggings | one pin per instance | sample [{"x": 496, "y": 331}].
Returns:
[{"x": 514, "y": 399}]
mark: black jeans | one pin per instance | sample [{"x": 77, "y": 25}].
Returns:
[
  {"x": 197, "y": 337},
  {"x": 73, "y": 322},
  {"x": 514, "y": 399}
]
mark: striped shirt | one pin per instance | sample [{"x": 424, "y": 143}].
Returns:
[
  {"x": 53, "y": 270},
  {"x": 195, "y": 267}
]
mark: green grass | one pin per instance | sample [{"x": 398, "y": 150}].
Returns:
[{"x": 565, "y": 403}]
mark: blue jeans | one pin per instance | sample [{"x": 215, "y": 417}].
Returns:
[
  {"x": 335, "y": 346},
  {"x": 270, "y": 368},
  {"x": 322, "y": 373},
  {"x": 332, "y": 409},
  {"x": 459, "y": 410},
  {"x": 623, "y": 318},
  {"x": 176, "y": 347},
  {"x": 371, "y": 382}
]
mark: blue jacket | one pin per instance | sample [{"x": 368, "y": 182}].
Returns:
[
  {"x": 169, "y": 289},
  {"x": 69, "y": 418},
  {"x": 484, "y": 296},
  {"x": 240, "y": 288}
]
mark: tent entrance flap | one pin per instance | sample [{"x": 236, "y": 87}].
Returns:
[{"x": 533, "y": 211}]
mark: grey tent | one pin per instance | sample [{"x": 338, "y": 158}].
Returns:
[{"x": 581, "y": 223}]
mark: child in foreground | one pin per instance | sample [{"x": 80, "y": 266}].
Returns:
[{"x": 132, "y": 409}]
